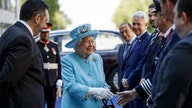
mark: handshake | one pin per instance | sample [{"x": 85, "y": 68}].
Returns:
[{"x": 100, "y": 93}]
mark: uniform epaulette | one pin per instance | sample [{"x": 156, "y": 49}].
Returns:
[{"x": 53, "y": 41}]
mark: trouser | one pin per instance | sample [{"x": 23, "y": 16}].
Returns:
[{"x": 50, "y": 96}]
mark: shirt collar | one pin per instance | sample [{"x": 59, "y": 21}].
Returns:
[
  {"x": 28, "y": 27},
  {"x": 139, "y": 36},
  {"x": 131, "y": 40},
  {"x": 167, "y": 32}
]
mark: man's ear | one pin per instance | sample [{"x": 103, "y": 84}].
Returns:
[
  {"x": 146, "y": 25},
  {"x": 185, "y": 18},
  {"x": 37, "y": 18}
]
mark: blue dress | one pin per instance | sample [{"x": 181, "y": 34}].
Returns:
[{"x": 79, "y": 75}]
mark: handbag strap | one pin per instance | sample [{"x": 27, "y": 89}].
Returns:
[
  {"x": 111, "y": 102},
  {"x": 104, "y": 101}
]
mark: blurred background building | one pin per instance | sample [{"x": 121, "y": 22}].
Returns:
[{"x": 9, "y": 13}]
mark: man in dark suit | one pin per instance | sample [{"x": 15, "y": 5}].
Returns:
[
  {"x": 151, "y": 50},
  {"x": 174, "y": 87},
  {"x": 52, "y": 66},
  {"x": 135, "y": 58},
  {"x": 21, "y": 65},
  {"x": 128, "y": 35},
  {"x": 167, "y": 7}
]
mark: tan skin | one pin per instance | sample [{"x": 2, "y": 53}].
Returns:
[
  {"x": 139, "y": 25},
  {"x": 44, "y": 36},
  {"x": 86, "y": 47},
  {"x": 126, "y": 96},
  {"x": 126, "y": 32},
  {"x": 38, "y": 22},
  {"x": 129, "y": 95},
  {"x": 152, "y": 17},
  {"x": 183, "y": 23},
  {"x": 167, "y": 9}
]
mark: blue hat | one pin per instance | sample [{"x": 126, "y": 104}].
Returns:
[
  {"x": 81, "y": 32},
  {"x": 157, "y": 5}
]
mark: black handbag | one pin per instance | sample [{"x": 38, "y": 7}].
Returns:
[{"x": 105, "y": 105}]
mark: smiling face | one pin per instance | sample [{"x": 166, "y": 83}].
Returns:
[
  {"x": 126, "y": 32},
  {"x": 152, "y": 17},
  {"x": 139, "y": 25},
  {"x": 86, "y": 47}
]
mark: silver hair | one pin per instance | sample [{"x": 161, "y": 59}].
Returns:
[
  {"x": 142, "y": 15},
  {"x": 77, "y": 44}
]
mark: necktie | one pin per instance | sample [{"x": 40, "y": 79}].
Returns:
[
  {"x": 126, "y": 50},
  {"x": 153, "y": 36},
  {"x": 169, "y": 35},
  {"x": 133, "y": 44}
]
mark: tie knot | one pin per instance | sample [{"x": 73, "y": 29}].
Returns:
[{"x": 126, "y": 45}]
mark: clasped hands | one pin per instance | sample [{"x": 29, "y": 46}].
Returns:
[
  {"x": 124, "y": 83},
  {"x": 100, "y": 93},
  {"x": 126, "y": 96}
]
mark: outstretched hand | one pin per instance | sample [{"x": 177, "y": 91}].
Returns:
[{"x": 126, "y": 96}]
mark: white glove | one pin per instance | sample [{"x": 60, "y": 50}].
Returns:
[
  {"x": 59, "y": 83},
  {"x": 103, "y": 92},
  {"x": 98, "y": 97}
]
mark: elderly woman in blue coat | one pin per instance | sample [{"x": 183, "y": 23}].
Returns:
[{"x": 82, "y": 72}]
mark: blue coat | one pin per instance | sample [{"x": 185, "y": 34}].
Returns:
[{"x": 79, "y": 75}]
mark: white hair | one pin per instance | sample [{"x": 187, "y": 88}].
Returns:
[
  {"x": 141, "y": 14},
  {"x": 77, "y": 44}
]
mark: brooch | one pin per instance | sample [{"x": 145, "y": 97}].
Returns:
[
  {"x": 94, "y": 59},
  {"x": 83, "y": 29}
]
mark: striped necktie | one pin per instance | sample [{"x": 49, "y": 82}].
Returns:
[{"x": 126, "y": 50}]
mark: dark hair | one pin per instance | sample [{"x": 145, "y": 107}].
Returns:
[
  {"x": 185, "y": 6},
  {"x": 31, "y": 8},
  {"x": 152, "y": 5},
  {"x": 172, "y": 1},
  {"x": 127, "y": 24}
]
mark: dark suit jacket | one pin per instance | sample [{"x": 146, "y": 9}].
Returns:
[
  {"x": 174, "y": 81},
  {"x": 135, "y": 61},
  {"x": 168, "y": 46},
  {"x": 153, "y": 51},
  {"x": 21, "y": 70},
  {"x": 121, "y": 69}
]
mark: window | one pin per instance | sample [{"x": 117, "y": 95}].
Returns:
[{"x": 107, "y": 41}]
